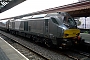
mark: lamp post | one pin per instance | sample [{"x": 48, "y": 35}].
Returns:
[{"x": 85, "y": 22}]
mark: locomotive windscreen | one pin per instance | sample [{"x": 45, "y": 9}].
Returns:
[{"x": 69, "y": 22}]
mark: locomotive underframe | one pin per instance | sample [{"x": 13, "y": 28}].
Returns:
[
  {"x": 60, "y": 42},
  {"x": 69, "y": 42}
]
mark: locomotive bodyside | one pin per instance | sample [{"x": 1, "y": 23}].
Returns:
[
  {"x": 53, "y": 29},
  {"x": 4, "y": 25}
]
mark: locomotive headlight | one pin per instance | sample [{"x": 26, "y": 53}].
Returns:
[{"x": 66, "y": 35}]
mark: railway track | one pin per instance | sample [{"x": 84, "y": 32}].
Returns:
[
  {"x": 45, "y": 54},
  {"x": 76, "y": 56},
  {"x": 85, "y": 54},
  {"x": 81, "y": 52},
  {"x": 31, "y": 55}
]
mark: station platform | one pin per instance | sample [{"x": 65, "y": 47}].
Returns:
[
  {"x": 86, "y": 37},
  {"x": 8, "y": 52}
]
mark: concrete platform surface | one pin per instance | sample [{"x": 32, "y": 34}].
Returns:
[
  {"x": 86, "y": 37},
  {"x": 7, "y": 52}
]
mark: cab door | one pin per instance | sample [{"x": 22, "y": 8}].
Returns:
[
  {"x": 46, "y": 27},
  {"x": 26, "y": 26}
]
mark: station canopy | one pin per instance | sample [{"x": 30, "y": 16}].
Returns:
[{"x": 78, "y": 9}]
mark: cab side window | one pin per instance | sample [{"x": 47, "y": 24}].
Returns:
[{"x": 54, "y": 20}]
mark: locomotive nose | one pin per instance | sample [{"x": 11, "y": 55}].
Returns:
[{"x": 71, "y": 33}]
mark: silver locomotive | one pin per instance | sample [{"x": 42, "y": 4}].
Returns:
[{"x": 57, "y": 29}]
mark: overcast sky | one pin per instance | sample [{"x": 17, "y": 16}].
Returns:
[{"x": 30, "y": 6}]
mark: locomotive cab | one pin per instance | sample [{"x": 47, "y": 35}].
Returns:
[
  {"x": 64, "y": 28},
  {"x": 70, "y": 32}
]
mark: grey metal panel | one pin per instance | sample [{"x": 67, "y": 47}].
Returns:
[
  {"x": 7, "y": 24},
  {"x": 10, "y": 25},
  {"x": 32, "y": 26},
  {"x": 39, "y": 26},
  {"x": 17, "y": 24},
  {"x": 36, "y": 26},
  {"x": 21, "y": 27},
  {"x": 13, "y": 25},
  {"x": 11, "y": 4},
  {"x": 52, "y": 28}
]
